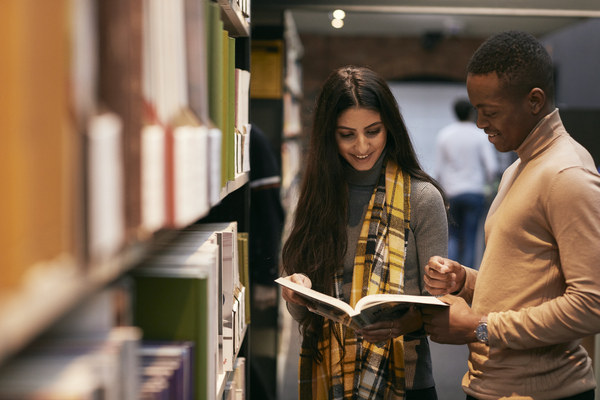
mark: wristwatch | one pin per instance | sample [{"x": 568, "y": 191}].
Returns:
[{"x": 482, "y": 332}]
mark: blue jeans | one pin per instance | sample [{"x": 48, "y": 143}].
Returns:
[{"x": 466, "y": 211}]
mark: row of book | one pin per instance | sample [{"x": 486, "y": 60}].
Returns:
[
  {"x": 166, "y": 370},
  {"x": 117, "y": 365},
  {"x": 189, "y": 283},
  {"x": 119, "y": 119},
  {"x": 192, "y": 136},
  {"x": 132, "y": 122},
  {"x": 101, "y": 366},
  {"x": 235, "y": 389},
  {"x": 171, "y": 329}
]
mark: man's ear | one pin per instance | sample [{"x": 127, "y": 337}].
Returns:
[{"x": 537, "y": 100}]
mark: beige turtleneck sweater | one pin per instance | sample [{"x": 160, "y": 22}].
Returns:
[{"x": 539, "y": 280}]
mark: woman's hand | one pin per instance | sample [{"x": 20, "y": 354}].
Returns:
[
  {"x": 290, "y": 296},
  {"x": 443, "y": 276},
  {"x": 384, "y": 330}
]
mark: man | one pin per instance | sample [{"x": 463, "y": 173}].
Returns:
[
  {"x": 466, "y": 166},
  {"x": 537, "y": 292}
]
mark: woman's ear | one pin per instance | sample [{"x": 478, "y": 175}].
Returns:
[{"x": 537, "y": 100}]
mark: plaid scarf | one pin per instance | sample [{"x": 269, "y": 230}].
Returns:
[{"x": 356, "y": 369}]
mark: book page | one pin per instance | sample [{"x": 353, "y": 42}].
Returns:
[
  {"x": 378, "y": 307},
  {"x": 330, "y": 307},
  {"x": 374, "y": 299}
]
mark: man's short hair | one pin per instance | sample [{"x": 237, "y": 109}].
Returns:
[{"x": 519, "y": 59}]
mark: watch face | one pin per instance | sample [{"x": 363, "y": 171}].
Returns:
[{"x": 481, "y": 332}]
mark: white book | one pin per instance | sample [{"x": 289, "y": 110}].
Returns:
[
  {"x": 246, "y": 148},
  {"x": 226, "y": 238},
  {"x": 368, "y": 309},
  {"x": 186, "y": 181},
  {"x": 106, "y": 212},
  {"x": 215, "y": 139},
  {"x": 153, "y": 177}
]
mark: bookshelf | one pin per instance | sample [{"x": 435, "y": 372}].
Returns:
[
  {"x": 111, "y": 144},
  {"x": 277, "y": 104}
]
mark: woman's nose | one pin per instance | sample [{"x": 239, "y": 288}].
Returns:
[{"x": 362, "y": 143}]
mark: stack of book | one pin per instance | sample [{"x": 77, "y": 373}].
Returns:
[{"x": 187, "y": 284}]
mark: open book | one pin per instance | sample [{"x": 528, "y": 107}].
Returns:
[{"x": 368, "y": 310}]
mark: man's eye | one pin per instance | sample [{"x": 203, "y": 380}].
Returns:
[{"x": 489, "y": 115}]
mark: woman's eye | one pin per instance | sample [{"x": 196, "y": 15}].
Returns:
[
  {"x": 345, "y": 135},
  {"x": 374, "y": 132}
]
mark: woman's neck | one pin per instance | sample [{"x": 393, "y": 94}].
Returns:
[{"x": 363, "y": 178}]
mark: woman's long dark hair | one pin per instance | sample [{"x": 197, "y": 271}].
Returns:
[{"x": 317, "y": 242}]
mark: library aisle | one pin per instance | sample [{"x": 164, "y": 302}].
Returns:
[{"x": 449, "y": 363}]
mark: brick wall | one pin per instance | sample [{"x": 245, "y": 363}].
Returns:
[{"x": 393, "y": 58}]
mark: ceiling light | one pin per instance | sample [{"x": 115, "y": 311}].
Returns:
[
  {"x": 337, "y": 23},
  {"x": 339, "y": 14}
]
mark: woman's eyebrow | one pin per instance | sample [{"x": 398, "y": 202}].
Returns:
[{"x": 353, "y": 129}]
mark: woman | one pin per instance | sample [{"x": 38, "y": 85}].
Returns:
[{"x": 367, "y": 220}]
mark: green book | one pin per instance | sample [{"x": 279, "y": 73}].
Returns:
[
  {"x": 176, "y": 299},
  {"x": 214, "y": 34},
  {"x": 226, "y": 149},
  {"x": 232, "y": 156}
]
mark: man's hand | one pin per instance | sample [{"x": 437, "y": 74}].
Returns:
[
  {"x": 443, "y": 276},
  {"x": 455, "y": 324}
]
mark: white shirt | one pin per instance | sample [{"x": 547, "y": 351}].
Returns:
[{"x": 465, "y": 160}]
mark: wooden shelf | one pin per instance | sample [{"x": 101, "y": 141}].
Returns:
[
  {"x": 50, "y": 291},
  {"x": 231, "y": 186}
]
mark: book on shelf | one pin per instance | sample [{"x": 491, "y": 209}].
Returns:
[
  {"x": 106, "y": 210},
  {"x": 197, "y": 53},
  {"x": 40, "y": 152},
  {"x": 190, "y": 197},
  {"x": 215, "y": 141},
  {"x": 267, "y": 69},
  {"x": 368, "y": 310},
  {"x": 82, "y": 367},
  {"x": 120, "y": 64},
  {"x": 244, "y": 254},
  {"x": 240, "y": 377},
  {"x": 246, "y": 148},
  {"x": 153, "y": 177},
  {"x": 176, "y": 299},
  {"x": 231, "y": 94},
  {"x": 184, "y": 130},
  {"x": 241, "y": 116},
  {"x": 215, "y": 46},
  {"x": 167, "y": 366},
  {"x": 225, "y": 235},
  {"x": 153, "y": 131},
  {"x": 228, "y": 150}
]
